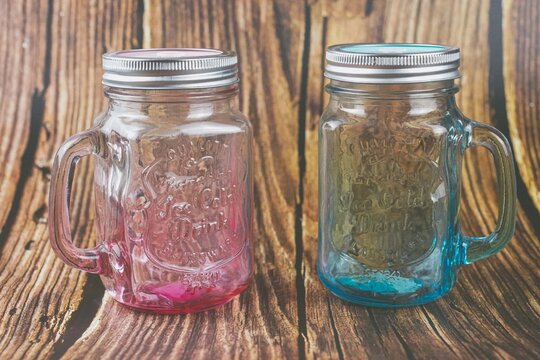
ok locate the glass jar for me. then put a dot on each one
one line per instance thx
(391, 143)
(173, 182)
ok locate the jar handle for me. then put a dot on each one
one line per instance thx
(65, 160)
(478, 248)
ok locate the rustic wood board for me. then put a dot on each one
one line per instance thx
(51, 89)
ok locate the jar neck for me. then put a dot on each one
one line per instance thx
(419, 98)
(389, 91)
(174, 102)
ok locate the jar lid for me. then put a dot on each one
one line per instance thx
(391, 63)
(186, 68)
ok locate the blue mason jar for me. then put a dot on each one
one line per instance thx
(391, 142)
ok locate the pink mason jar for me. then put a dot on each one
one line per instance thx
(173, 182)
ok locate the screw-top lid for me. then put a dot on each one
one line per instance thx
(170, 68)
(391, 63)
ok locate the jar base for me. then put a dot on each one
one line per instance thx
(377, 300)
(183, 308)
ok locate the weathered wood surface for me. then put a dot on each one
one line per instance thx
(50, 89)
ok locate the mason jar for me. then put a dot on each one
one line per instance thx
(173, 182)
(391, 144)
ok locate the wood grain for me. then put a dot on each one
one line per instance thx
(521, 77)
(50, 89)
(63, 42)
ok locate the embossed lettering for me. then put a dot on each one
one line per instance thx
(191, 213)
(389, 201)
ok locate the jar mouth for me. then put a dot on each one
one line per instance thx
(398, 63)
(170, 68)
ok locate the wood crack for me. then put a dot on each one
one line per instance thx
(92, 296)
(334, 331)
(282, 37)
(435, 330)
(299, 245)
(27, 163)
(403, 343)
(140, 25)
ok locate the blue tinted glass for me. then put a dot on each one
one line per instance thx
(392, 48)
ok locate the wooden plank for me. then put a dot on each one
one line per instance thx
(521, 78)
(58, 69)
(484, 316)
(23, 35)
(263, 322)
(51, 89)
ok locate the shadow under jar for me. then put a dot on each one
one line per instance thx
(391, 142)
(173, 182)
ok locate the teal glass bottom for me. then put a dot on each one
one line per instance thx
(382, 291)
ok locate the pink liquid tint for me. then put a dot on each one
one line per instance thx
(188, 301)
(158, 290)
(186, 296)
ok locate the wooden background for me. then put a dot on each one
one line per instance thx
(50, 74)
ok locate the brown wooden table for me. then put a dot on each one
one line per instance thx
(50, 74)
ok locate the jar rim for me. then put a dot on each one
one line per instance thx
(170, 68)
(392, 63)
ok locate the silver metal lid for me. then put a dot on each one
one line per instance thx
(170, 68)
(391, 63)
